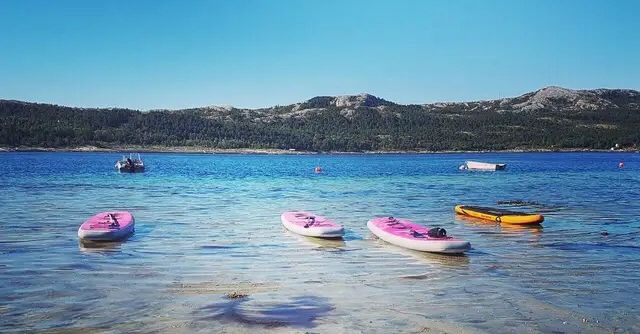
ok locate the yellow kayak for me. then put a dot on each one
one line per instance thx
(499, 215)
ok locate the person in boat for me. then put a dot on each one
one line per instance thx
(130, 164)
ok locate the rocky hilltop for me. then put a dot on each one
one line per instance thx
(557, 98)
(549, 118)
(550, 98)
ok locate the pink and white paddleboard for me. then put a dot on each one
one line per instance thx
(311, 225)
(407, 234)
(107, 226)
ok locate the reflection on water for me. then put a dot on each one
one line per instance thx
(214, 228)
(535, 230)
(98, 247)
(427, 258)
(323, 243)
(488, 225)
(450, 260)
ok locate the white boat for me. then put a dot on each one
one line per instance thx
(475, 165)
(130, 164)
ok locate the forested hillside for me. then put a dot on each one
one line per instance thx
(550, 118)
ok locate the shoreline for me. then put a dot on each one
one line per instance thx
(270, 151)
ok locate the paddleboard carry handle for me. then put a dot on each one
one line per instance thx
(313, 220)
(114, 222)
(392, 221)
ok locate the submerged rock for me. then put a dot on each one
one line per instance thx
(236, 295)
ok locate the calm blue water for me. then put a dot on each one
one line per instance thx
(208, 225)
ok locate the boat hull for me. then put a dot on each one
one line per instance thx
(475, 165)
(125, 168)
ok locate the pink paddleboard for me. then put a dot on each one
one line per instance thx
(405, 233)
(107, 226)
(311, 225)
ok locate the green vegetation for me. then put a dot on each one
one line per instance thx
(384, 125)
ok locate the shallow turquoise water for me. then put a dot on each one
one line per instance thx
(207, 225)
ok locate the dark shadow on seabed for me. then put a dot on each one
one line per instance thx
(300, 312)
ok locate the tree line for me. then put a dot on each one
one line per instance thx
(395, 127)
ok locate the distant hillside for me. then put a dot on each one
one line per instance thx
(550, 118)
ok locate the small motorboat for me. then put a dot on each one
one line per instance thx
(476, 165)
(130, 164)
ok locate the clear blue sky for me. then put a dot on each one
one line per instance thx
(173, 54)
